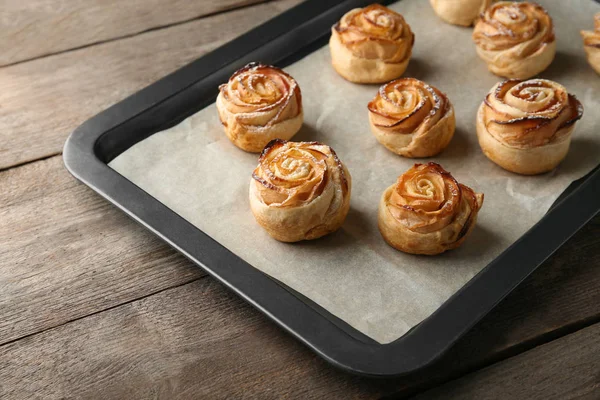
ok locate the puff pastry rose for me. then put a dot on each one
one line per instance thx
(525, 127)
(460, 12)
(259, 103)
(427, 211)
(411, 118)
(299, 190)
(516, 40)
(371, 45)
(591, 43)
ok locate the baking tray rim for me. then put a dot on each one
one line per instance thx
(90, 147)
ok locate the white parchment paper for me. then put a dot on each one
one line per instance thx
(195, 170)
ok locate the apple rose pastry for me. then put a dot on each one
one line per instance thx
(591, 43)
(258, 104)
(427, 211)
(525, 127)
(516, 40)
(371, 45)
(460, 12)
(299, 190)
(411, 118)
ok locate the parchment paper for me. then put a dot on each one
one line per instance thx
(194, 169)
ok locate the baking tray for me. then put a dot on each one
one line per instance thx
(282, 41)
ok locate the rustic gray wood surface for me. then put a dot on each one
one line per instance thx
(93, 306)
(43, 100)
(75, 24)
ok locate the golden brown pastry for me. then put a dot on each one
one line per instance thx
(411, 118)
(460, 12)
(591, 43)
(371, 45)
(299, 190)
(258, 104)
(427, 211)
(525, 127)
(516, 40)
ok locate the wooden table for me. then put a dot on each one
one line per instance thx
(93, 306)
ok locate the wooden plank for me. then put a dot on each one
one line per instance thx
(567, 368)
(192, 342)
(195, 341)
(42, 101)
(65, 252)
(83, 257)
(35, 28)
(188, 342)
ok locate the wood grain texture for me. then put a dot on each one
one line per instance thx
(65, 252)
(567, 368)
(82, 256)
(42, 101)
(197, 341)
(35, 28)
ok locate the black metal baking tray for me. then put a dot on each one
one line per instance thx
(281, 41)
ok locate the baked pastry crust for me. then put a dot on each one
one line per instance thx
(427, 211)
(591, 44)
(526, 126)
(411, 118)
(516, 40)
(299, 190)
(259, 103)
(460, 12)
(371, 45)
